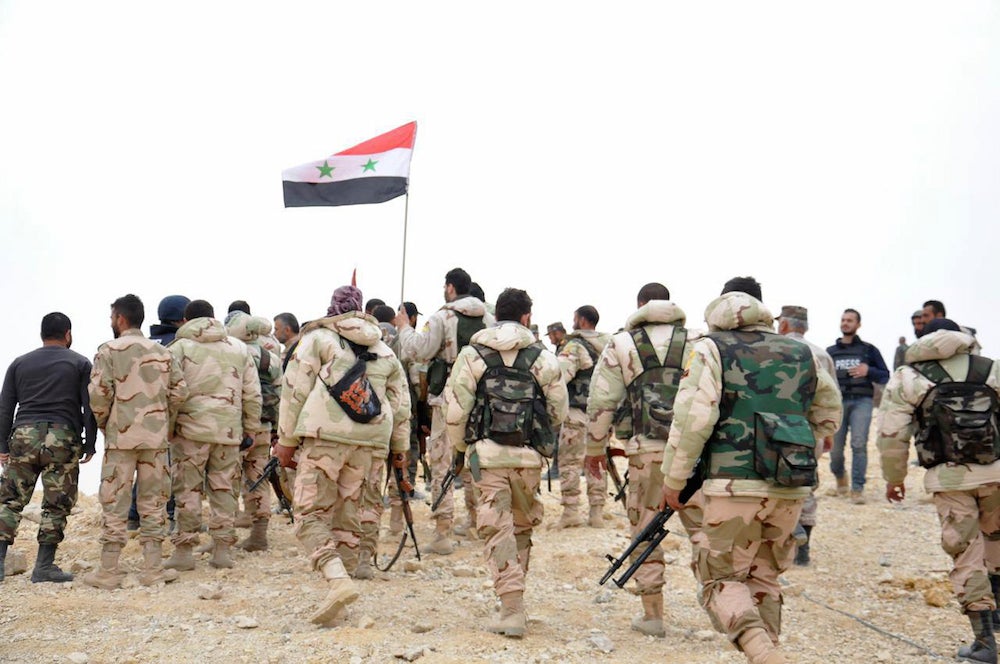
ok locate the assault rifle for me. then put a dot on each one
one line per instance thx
(404, 487)
(270, 474)
(653, 533)
(449, 479)
(621, 485)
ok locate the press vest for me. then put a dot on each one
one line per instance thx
(846, 357)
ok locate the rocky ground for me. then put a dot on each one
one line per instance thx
(878, 562)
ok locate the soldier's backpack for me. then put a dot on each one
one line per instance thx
(579, 387)
(510, 405)
(438, 370)
(270, 393)
(957, 419)
(649, 400)
(353, 392)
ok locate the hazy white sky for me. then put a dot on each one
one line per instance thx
(845, 154)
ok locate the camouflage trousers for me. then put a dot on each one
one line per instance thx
(809, 509)
(328, 488)
(194, 466)
(970, 534)
(572, 449)
(507, 514)
(258, 503)
(744, 545)
(149, 468)
(441, 453)
(645, 491)
(371, 507)
(49, 451)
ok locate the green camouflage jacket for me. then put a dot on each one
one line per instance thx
(904, 393)
(136, 388)
(696, 408)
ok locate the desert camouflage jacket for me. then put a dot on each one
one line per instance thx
(249, 329)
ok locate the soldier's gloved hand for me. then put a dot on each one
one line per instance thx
(895, 493)
(399, 460)
(595, 464)
(285, 456)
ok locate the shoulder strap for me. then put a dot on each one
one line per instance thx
(933, 371)
(587, 347)
(527, 356)
(643, 346)
(265, 360)
(675, 354)
(979, 369)
(490, 356)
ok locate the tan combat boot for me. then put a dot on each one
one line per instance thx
(152, 566)
(220, 556)
(650, 622)
(442, 544)
(182, 558)
(257, 539)
(512, 620)
(570, 518)
(107, 576)
(364, 570)
(205, 547)
(243, 520)
(467, 528)
(757, 646)
(342, 592)
(596, 519)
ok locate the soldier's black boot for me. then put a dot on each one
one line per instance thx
(984, 647)
(802, 553)
(46, 568)
(995, 584)
(3, 556)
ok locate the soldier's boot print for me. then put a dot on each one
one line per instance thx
(108, 576)
(650, 622)
(243, 520)
(220, 556)
(364, 569)
(257, 539)
(758, 648)
(182, 559)
(342, 592)
(513, 621)
(153, 571)
(596, 518)
(396, 520)
(442, 544)
(994, 584)
(802, 552)
(3, 557)
(46, 570)
(570, 517)
(984, 646)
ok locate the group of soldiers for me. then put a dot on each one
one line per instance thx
(740, 411)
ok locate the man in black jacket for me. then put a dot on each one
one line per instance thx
(859, 368)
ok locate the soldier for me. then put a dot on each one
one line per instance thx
(577, 359)
(503, 458)
(745, 387)
(643, 366)
(257, 505)
(948, 397)
(445, 333)
(794, 323)
(136, 388)
(48, 387)
(343, 417)
(557, 335)
(222, 406)
(286, 331)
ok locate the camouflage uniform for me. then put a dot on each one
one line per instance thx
(136, 388)
(439, 339)
(967, 496)
(618, 366)
(746, 539)
(337, 453)
(573, 360)
(509, 476)
(223, 401)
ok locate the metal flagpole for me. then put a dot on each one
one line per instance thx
(406, 214)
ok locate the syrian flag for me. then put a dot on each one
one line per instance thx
(375, 171)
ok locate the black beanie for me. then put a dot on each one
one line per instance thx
(941, 324)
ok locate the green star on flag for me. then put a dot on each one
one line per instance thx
(326, 170)
(370, 166)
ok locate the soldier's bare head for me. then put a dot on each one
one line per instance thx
(585, 318)
(476, 291)
(127, 312)
(286, 326)
(652, 291)
(746, 285)
(917, 319)
(239, 305)
(850, 321)
(456, 284)
(198, 309)
(371, 304)
(514, 304)
(57, 330)
(933, 309)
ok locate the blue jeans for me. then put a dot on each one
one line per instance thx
(857, 418)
